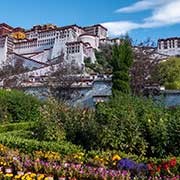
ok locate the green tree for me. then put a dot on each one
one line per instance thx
(122, 59)
(167, 73)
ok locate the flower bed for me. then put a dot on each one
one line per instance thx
(51, 165)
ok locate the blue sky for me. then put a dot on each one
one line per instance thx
(140, 18)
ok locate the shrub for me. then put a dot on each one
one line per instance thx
(16, 126)
(17, 106)
(119, 128)
(81, 127)
(49, 126)
(30, 145)
(173, 130)
(59, 121)
(133, 125)
(26, 134)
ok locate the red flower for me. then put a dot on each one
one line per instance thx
(158, 169)
(172, 162)
(166, 166)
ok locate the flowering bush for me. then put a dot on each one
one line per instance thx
(163, 167)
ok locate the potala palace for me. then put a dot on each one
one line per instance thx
(43, 47)
(45, 44)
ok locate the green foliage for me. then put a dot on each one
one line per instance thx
(104, 56)
(122, 59)
(134, 125)
(167, 73)
(119, 128)
(81, 127)
(87, 61)
(120, 86)
(110, 153)
(30, 145)
(15, 106)
(25, 134)
(172, 85)
(16, 126)
(173, 130)
(50, 127)
(127, 124)
(60, 122)
(123, 75)
(103, 59)
(93, 66)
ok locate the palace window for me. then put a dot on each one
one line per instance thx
(72, 49)
(169, 42)
(165, 44)
(159, 45)
(178, 43)
(173, 44)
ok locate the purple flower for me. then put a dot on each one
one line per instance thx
(126, 164)
(141, 167)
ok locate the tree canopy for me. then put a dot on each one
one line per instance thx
(167, 73)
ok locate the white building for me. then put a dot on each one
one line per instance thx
(169, 46)
(47, 43)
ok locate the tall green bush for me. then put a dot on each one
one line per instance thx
(16, 106)
(59, 122)
(81, 127)
(49, 127)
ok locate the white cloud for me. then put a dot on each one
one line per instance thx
(142, 5)
(167, 14)
(163, 14)
(120, 27)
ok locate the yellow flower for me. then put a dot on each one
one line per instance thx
(116, 157)
(17, 176)
(9, 175)
(96, 157)
(32, 175)
(41, 176)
